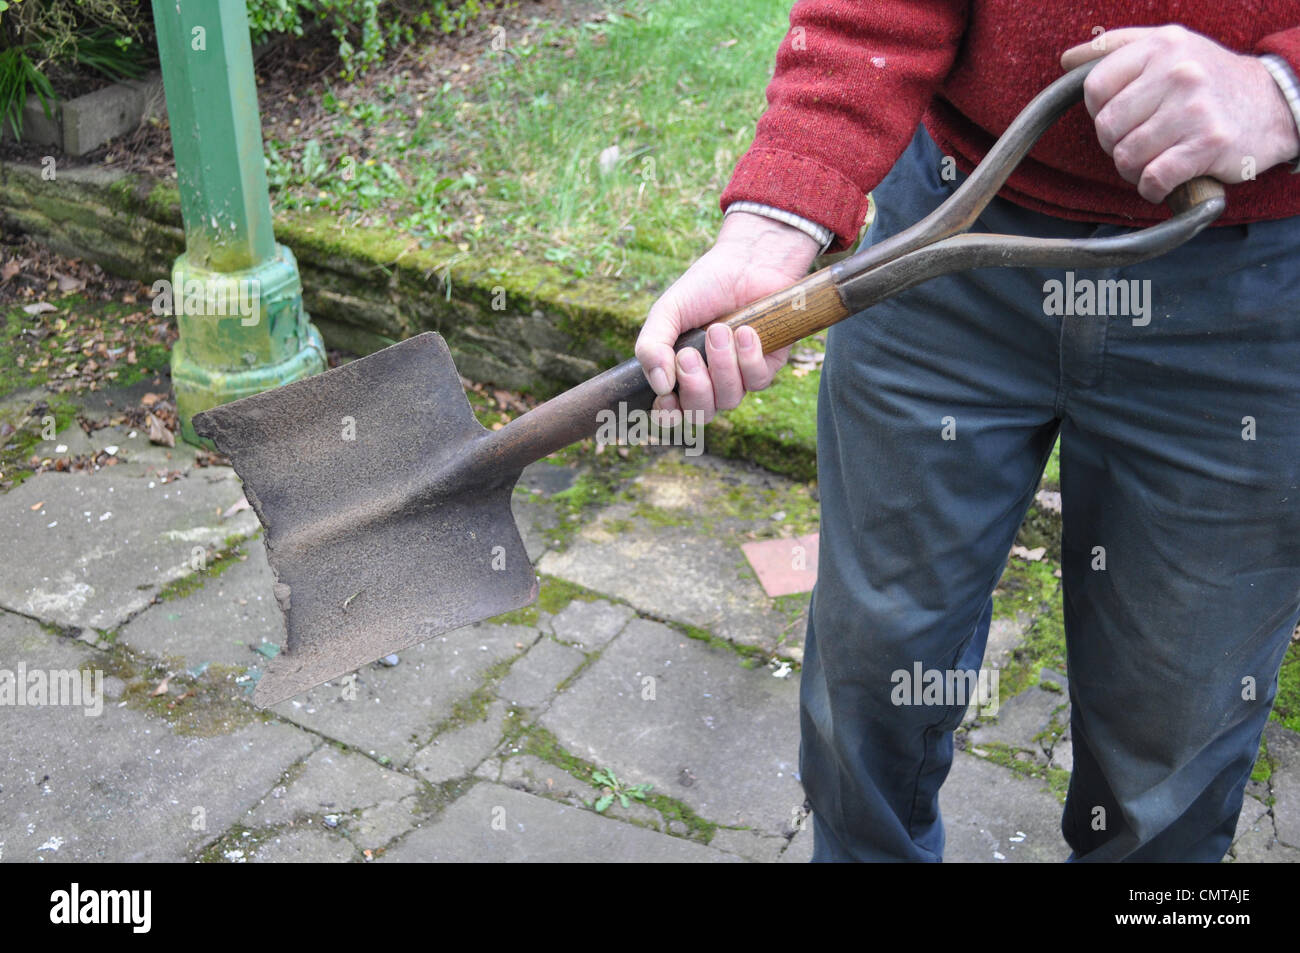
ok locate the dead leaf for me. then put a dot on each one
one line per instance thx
(235, 508)
(161, 689)
(1049, 500)
(10, 269)
(148, 400)
(1030, 555)
(36, 506)
(40, 307)
(158, 432)
(68, 284)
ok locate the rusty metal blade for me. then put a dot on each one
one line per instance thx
(372, 553)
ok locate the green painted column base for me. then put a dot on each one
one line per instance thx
(241, 333)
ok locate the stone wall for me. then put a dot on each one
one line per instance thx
(509, 322)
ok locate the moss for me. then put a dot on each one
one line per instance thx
(1024, 763)
(432, 799)
(474, 706)
(1286, 707)
(240, 838)
(1263, 768)
(537, 741)
(1029, 590)
(215, 705)
(776, 429)
(218, 562)
(753, 653)
(557, 593)
(1041, 528)
(1052, 472)
(26, 418)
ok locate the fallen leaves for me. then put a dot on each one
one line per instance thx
(1029, 555)
(159, 432)
(234, 508)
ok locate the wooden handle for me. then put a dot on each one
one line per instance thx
(791, 315)
(782, 318)
(1194, 192)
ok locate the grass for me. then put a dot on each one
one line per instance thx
(514, 162)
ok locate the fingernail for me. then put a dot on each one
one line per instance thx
(689, 359)
(746, 338)
(719, 335)
(659, 380)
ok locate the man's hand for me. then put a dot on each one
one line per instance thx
(1170, 105)
(754, 256)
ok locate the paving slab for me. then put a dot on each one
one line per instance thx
(1005, 636)
(303, 846)
(91, 550)
(800, 850)
(1259, 845)
(141, 456)
(704, 589)
(694, 517)
(784, 566)
(392, 712)
(1254, 816)
(457, 752)
(71, 441)
(121, 786)
(1020, 719)
(752, 845)
(992, 815)
(1284, 752)
(369, 804)
(662, 708)
(496, 824)
(535, 677)
(220, 623)
(590, 625)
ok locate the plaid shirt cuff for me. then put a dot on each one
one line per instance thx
(1286, 81)
(822, 235)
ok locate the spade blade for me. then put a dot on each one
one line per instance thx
(372, 552)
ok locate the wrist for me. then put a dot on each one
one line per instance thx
(1283, 108)
(765, 242)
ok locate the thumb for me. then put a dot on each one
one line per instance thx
(1105, 42)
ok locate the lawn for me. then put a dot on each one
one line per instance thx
(600, 144)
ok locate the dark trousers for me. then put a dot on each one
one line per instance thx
(1180, 468)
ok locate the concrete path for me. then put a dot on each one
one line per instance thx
(653, 657)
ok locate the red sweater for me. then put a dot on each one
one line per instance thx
(855, 77)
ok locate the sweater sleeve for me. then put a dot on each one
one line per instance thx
(853, 79)
(1285, 44)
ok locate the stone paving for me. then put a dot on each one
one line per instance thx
(653, 655)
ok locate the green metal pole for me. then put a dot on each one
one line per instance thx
(235, 292)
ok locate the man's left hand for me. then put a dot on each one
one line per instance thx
(1170, 104)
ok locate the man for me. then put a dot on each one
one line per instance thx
(1179, 419)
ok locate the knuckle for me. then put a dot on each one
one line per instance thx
(1217, 137)
(1106, 132)
(1188, 74)
(1169, 34)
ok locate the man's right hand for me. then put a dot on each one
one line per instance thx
(754, 256)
